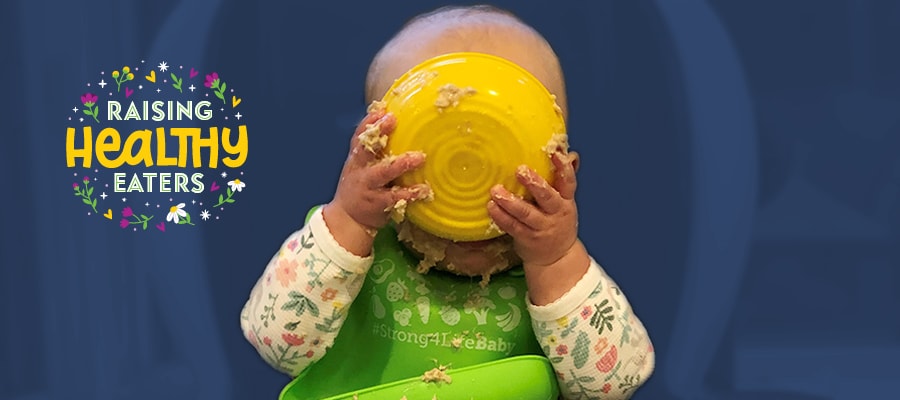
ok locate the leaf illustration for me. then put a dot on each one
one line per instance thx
(90, 192)
(581, 351)
(87, 112)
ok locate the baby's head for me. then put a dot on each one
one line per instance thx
(482, 29)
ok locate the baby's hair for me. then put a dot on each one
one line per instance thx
(469, 13)
(462, 11)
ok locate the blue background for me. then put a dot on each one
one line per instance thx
(740, 180)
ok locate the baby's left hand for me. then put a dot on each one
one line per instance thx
(546, 231)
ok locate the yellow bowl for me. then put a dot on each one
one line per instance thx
(477, 117)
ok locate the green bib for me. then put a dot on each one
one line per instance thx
(404, 323)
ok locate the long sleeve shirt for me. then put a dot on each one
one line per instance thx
(598, 348)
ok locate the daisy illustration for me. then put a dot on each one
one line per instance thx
(236, 185)
(178, 215)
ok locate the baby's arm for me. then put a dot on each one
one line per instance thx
(298, 306)
(598, 348)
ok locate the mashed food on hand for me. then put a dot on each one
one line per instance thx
(558, 142)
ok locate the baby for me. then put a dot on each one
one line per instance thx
(348, 301)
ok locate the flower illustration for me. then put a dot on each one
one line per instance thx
(329, 294)
(86, 193)
(292, 244)
(141, 220)
(606, 388)
(562, 322)
(236, 185)
(562, 350)
(89, 100)
(309, 354)
(292, 339)
(608, 361)
(286, 272)
(178, 215)
(601, 345)
(213, 82)
(585, 312)
(267, 341)
(233, 187)
(122, 77)
(552, 340)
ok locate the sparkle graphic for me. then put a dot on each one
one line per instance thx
(147, 204)
(192, 87)
(140, 86)
(103, 195)
(102, 84)
(123, 199)
(158, 90)
(224, 174)
(238, 116)
(204, 215)
(74, 109)
(163, 67)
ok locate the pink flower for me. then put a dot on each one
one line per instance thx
(211, 80)
(309, 354)
(608, 361)
(292, 245)
(606, 388)
(562, 350)
(86, 179)
(292, 339)
(74, 186)
(123, 223)
(585, 312)
(88, 99)
(267, 341)
(286, 272)
(126, 212)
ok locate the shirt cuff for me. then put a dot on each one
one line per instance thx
(572, 299)
(332, 249)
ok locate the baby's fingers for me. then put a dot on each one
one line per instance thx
(564, 180)
(371, 137)
(544, 195)
(518, 208)
(388, 169)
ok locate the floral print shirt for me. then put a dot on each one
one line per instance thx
(598, 348)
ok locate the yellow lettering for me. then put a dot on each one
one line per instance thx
(85, 153)
(240, 149)
(108, 140)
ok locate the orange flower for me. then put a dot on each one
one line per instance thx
(286, 272)
(600, 346)
(329, 294)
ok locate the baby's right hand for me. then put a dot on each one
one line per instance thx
(364, 196)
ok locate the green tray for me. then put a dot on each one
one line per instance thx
(521, 377)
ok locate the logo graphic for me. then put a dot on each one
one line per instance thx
(157, 147)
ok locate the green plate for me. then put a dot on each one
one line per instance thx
(522, 377)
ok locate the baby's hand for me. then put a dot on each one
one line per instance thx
(364, 196)
(546, 231)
